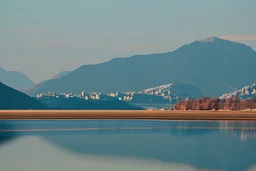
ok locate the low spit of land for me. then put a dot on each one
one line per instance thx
(128, 114)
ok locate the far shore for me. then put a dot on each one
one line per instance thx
(129, 114)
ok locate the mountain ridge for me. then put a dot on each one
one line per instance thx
(61, 74)
(207, 66)
(15, 79)
(13, 99)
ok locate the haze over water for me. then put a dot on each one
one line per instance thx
(126, 145)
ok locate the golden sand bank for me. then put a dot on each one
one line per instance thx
(120, 114)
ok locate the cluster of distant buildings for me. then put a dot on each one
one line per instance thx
(123, 96)
(85, 96)
(158, 95)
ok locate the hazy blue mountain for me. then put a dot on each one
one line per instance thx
(15, 79)
(212, 65)
(38, 85)
(2, 70)
(61, 74)
(13, 99)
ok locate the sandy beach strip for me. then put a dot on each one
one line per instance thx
(128, 114)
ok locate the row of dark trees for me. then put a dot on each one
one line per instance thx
(207, 103)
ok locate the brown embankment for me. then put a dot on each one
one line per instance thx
(118, 114)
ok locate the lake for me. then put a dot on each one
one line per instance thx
(64, 145)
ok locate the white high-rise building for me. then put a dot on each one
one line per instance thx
(83, 93)
(97, 96)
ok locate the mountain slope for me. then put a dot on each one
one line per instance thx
(176, 89)
(13, 99)
(61, 74)
(38, 85)
(15, 79)
(158, 88)
(243, 93)
(209, 65)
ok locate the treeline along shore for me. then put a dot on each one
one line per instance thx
(207, 103)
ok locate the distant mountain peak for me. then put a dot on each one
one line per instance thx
(209, 39)
(15, 79)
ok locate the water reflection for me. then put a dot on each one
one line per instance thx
(199, 144)
(52, 158)
(245, 131)
(7, 136)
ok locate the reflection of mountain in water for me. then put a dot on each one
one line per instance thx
(167, 141)
(6, 136)
(34, 153)
(215, 150)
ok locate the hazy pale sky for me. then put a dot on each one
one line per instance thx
(44, 37)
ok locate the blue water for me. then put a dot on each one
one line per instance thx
(229, 146)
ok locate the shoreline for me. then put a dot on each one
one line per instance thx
(128, 114)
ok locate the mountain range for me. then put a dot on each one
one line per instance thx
(15, 79)
(212, 66)
(13, 99)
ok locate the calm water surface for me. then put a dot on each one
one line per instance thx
(127, 145)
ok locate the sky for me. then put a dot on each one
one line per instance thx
(44, 37)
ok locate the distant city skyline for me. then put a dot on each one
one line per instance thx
(43, 38)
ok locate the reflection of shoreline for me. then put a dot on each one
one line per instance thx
(244, 130)
(247, 131)
(245, 135)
